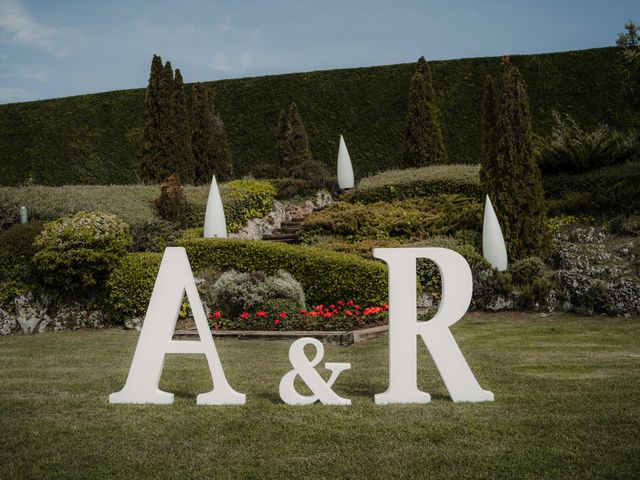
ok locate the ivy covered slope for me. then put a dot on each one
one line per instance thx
(95, 139)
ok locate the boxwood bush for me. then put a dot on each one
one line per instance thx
(325, 276)
(75, 254)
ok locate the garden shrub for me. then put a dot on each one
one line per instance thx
(171, 204)
(407, 219)
(76, 253)
(236, 292)
(417, 182)
(243, 200)
(295, 187)
(324, 276)
(16, 251)
(154, 235)
(621, 197)
(555, 186)
(574, 150)
(130, 285)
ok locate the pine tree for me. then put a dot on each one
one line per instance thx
(513, 179)
(152, 134)
(183, 154)
(423, 136)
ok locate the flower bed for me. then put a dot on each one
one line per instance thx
(339, 316)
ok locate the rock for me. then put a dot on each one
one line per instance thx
(134, 323)
(74, 316)
(8, 323)
(31, 312)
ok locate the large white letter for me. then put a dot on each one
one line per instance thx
(174, 278)
(457, 286)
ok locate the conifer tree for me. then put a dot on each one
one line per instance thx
(298, 141)
(167, 160)
(152, 134)
(423, 137)
(222, 151)
(293, 143)
(489, 140)
(282, 144)
(183, 154)
(512, 179)
(211, 151)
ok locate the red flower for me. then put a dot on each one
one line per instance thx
(348, 313)
(276, 322)
(350, 302)
(340, 302)
(261, 314)
(303, 312)
(283, 315)
(313, 314)
(332, 307)
(211, 315)
(217, 314)
(244, 315)
(327, 315)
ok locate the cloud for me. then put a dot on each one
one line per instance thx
(9, 95)
(25, 30)
(29, 73)
(237, 64)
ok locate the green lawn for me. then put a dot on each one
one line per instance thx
(567, 406)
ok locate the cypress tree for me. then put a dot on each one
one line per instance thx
(293, 142)
(282, 144)
(183, 154)
(211, 150)
(152, 134)
(423, 136)
(300, 150)
(489, 140)
(223, 158)
(167, 161)
(513, 179)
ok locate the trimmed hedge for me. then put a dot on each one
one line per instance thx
(130, 285)
(325, 276)
(243, 199)
(408, 219)
(417, 182)
(96, 139)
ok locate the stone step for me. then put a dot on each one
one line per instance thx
(285, 230)
(291, 224)
(283, 236)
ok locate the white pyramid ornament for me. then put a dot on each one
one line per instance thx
(494, 249)
(215, 225)
(345, 170)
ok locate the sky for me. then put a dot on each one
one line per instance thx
(71, 47)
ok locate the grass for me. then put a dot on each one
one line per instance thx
(566, 406)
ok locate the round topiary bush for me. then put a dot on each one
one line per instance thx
(237, 292)
(77, 252)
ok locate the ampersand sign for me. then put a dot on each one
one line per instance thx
(305, 368)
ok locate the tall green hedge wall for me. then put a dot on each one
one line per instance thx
(95, 139)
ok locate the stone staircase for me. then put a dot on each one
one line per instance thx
(288, 231)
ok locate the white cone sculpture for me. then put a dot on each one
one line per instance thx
(494, 249)
(345, 171)
(215, 225)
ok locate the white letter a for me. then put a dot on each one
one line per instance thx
(174, 278)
